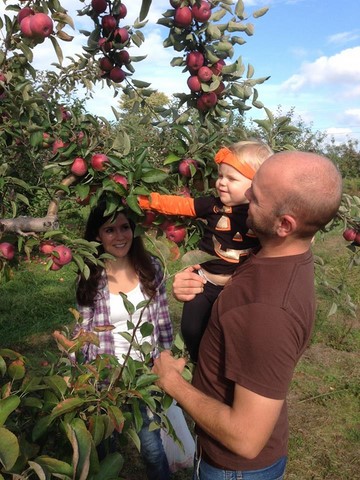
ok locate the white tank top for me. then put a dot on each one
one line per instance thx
(119, 318)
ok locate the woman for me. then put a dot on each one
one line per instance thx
(136, 273)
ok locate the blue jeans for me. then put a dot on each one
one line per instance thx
(152, 450)
(204, 471)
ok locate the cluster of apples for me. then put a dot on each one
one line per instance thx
(35, 25)
(59, 254)
(352, 235)
(202, 71)
(99, 162)
(114, 39)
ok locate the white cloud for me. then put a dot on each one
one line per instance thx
(344, 37)
(339, 70)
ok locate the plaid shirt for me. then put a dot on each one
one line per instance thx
(99, 315)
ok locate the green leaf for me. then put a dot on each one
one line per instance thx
(9, 448)
(85, 442)
(66, 406)
(140, 83)
(239, 9)
(54, 466)
(155, 175)
(171, 158)
(145, 6)
(145, 380)
(7, 406)
(38, 470)
(57, 49)
(259, 13)
(146, 329)
(97, 428)
(132, 202)
(110, 467)
(57, 384)
(41, 427)
(2, 366)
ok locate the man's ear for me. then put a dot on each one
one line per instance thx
(286, 226)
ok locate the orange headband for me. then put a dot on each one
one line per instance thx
(224, 155)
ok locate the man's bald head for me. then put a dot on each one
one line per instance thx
(309, 186)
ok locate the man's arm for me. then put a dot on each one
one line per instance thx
(244, 427)
(187, 284)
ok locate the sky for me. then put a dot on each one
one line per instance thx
(309, 48)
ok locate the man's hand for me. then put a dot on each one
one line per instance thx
(187, 284)
(169, 370)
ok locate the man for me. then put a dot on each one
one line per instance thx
(260, 325)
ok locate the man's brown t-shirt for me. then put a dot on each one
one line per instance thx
(259, 327)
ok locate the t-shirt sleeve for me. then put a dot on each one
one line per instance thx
(262, 345)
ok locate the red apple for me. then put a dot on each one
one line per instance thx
(175, 233)
(104, 44)
(46, 140)
(58, 143)
(349, 234)
(61, 255)
(25, 27)
(183, 17)
(202, 13)
(24, 12)
(120, 179)
(121, 12)
(41, 25)
(195, 60)
(218, 91)
(99, 6)
(194, 83)
(184, 192)
(117, 75)
(7, 250)
(205, 74)
(55, 266)
(357, 239)
(123, 57)
(65, 114)
(121, 35)
(98, 161)
(218, 66)
(206, 101)
(184, 166)
(79, 167)
(150, 217)
(47, 246)
(108, 23)
(106, 64)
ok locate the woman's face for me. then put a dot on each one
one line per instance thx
(116, 236)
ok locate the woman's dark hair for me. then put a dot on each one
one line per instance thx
(138, 255)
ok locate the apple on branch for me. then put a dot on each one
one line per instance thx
(194, 60)
(41, 25)
(175, 233)
(194, 83)
(7, 250)
(79, 167)
(183, 17)
(24, 12)
(184, 166)
(205, 74)
(47, 246)
(202, 12)
(150, 217)
(61, 255)
(349, 234)
(98, 161)
(99, 6)
(120, 179)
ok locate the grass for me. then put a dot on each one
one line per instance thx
(324, 409)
